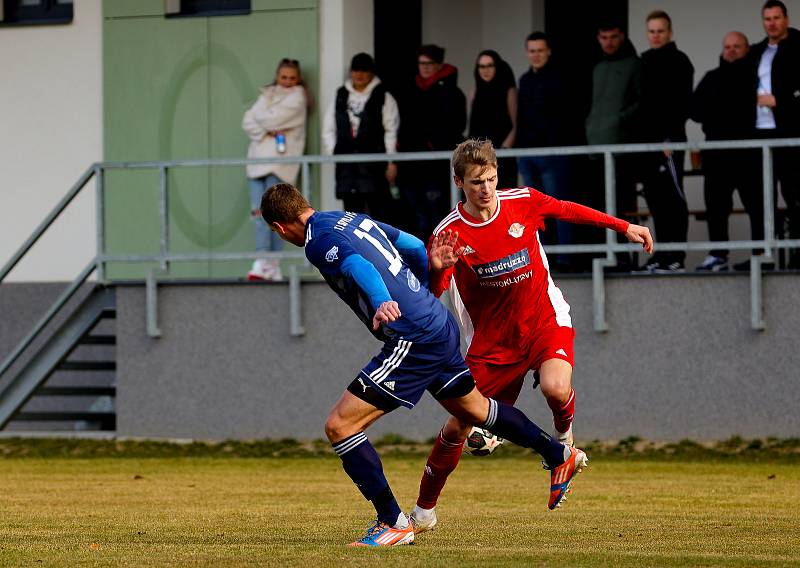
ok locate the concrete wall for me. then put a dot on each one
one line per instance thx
(680, 361)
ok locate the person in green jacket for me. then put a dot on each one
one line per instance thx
(616, 96)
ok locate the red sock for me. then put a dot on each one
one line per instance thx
(441, 463)
(563, 413)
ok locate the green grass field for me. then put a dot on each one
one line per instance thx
(302, 511)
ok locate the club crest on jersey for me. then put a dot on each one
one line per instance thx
(516, 230)
(413, 283)
(331, 255)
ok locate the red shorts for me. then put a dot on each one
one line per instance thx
(503, 381)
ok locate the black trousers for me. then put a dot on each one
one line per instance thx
(662, 178)
(725, 172)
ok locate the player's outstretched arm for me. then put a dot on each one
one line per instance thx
(639, 234)
(443, 253)
(387, 312)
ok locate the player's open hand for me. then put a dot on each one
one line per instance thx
(639, 234)
(387, 312)
(443, 253)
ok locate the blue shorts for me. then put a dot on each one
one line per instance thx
(404, 370)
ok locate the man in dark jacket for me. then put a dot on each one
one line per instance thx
(545, 119)
(433, 116)
(776, 79)
(723, 104)
(667, 81)
(616, 96)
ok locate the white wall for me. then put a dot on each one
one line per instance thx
(346, 28)
(51, 117)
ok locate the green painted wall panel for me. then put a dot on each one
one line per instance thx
(243, 54)
(128, 8)
(177, 89)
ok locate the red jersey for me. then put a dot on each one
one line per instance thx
(501, 286)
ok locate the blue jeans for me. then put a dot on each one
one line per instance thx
(266, 239)
(550, 175)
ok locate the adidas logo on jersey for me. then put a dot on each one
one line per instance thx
(468, 250)
(561, 352)
(389, 385)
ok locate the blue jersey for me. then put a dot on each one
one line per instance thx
(367, 263)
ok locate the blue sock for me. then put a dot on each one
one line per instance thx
(510, 423)
(362, 463)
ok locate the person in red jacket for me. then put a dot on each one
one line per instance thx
(487, 252)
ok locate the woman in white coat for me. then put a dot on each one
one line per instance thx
(276, 125)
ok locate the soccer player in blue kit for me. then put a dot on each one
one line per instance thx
(382, 274)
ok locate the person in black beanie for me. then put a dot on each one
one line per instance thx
(363, 119)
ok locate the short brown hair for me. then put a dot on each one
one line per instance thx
(473, 152)
(283, 203)
(659, 15)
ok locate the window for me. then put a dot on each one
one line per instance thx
(202, 8)
(35, 12)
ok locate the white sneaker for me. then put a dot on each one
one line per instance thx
(713, 264)
(265, 269)
(422, 519)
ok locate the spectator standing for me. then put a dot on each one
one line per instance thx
(723, 104)
(667, 81)
(276, 126)
(616, 101)
(493, 109)
(363, 119)
(776, 62)
(544, 119)
(433, 116)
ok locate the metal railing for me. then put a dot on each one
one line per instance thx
(164, 257)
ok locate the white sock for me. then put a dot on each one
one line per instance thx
(402, 521)
(422, 514)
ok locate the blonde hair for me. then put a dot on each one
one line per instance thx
(473, 152)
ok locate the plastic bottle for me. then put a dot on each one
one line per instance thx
(280, 142)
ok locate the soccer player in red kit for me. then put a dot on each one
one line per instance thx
(514, 318)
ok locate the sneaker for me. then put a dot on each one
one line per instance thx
(381, 534)
(674, 267)
(422, 522)
(649, 266)
(265, 269)
(562, 475)
(713, 264)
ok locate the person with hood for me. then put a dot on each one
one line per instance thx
(493, 109)
(363, 119)
(614, 111)
(276, 126)
(723, 104)
(667, 84)
(775, 63)
(433, 117)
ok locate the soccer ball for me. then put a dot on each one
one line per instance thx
(481, 442)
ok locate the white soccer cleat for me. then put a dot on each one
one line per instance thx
(567, 437)
(422, 520)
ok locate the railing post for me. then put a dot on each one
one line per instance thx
(296, 328)
(599, 293)
(151, 301)
(611, 202)
(306, 177)
(769, 207)
(163, 216)
(756, 294)
(100, 224)
(455, 193)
